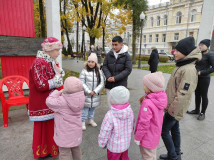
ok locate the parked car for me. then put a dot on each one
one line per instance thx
(107, 49)
(171, 57)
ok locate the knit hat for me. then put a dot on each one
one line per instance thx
(206, 42)
(186, 45)
(154, 81)
(72, 85)
(119, 95)
(93, 57)
(50, 44)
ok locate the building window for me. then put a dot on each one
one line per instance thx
(193, 16)
(144, 39)
(176, 36)
(152, 21)
(158, 21)
(164, 38)
(178, 17)
(156, 37)
(145, 23)
(191, 34)
(150, 38)
(165, 20)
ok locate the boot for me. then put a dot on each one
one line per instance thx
(201, 117)
(92, 123)
(83, 126)
(164, 156)
(193, 112)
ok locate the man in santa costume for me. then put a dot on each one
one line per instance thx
(45, 76)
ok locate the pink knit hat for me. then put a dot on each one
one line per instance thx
(50, 44)
(154, 81)
(93, 57)
(72, 85)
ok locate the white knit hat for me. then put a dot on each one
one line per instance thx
(93, 57)
(119, 95)
(154, 81)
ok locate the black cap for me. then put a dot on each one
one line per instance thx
(206, 42)
(186, 45)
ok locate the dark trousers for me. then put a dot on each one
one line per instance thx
(172, 141)
(201, 93)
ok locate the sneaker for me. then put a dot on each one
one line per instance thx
(193, 112)
(92, 123)
(201, 117)
(83, 126)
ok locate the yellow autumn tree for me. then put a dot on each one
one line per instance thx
(94, 15)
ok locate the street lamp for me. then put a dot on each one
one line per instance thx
(142, 17)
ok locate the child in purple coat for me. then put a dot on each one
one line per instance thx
(150, 117)
(67, 105)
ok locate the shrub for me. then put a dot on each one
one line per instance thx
(143, 58)
(163, 59)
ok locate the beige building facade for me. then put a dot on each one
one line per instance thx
(167, 23)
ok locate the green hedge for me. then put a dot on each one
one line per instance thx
(143, 58)
(162, 59)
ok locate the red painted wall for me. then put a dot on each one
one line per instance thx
(16, 65)
(17, 18)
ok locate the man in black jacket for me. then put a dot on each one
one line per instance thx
(153, 60)
(117, 64)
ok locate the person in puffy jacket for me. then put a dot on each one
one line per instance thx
(117, 126)
(204, 68)
(150, 117)
(67, 105)
(93, 82)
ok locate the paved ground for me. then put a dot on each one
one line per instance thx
(197, 137)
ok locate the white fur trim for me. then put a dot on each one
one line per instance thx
(51, 46)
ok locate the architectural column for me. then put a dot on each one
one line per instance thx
(53, 22)
(207, 21)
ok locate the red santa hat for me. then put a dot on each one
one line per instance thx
(50, 44)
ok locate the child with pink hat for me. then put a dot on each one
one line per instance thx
(93, 83)
(67, 105)
(150, 117)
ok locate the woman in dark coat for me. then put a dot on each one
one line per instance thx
(153, 60)
(204, 67)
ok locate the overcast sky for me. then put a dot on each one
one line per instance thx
(153, 2)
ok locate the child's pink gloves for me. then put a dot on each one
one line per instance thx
(137, 142)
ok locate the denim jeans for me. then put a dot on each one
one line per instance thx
(88, 113)
(173, 141)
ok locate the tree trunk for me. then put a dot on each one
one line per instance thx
(104, 34)
(134, 37)
(92, 40)
(77, 38)
(70, 51)
(42, 19)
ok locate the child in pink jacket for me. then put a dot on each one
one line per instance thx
(150, 117)
(67, 105)
(117, 126)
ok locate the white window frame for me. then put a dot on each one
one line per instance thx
(193, 16)
(156, 37)
(165, 23)
(178, 17)
(163, 37)
(150, 38)
(176, 36)
(158, 21)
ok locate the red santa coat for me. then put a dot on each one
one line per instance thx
(41, 83)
